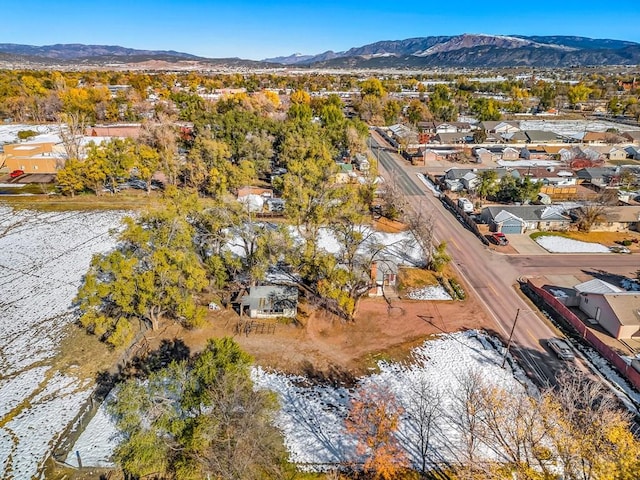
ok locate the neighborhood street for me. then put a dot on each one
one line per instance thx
(493, 277)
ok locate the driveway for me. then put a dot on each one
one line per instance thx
(525, 246)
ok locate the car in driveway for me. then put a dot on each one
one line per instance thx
(16, 173)
(499, 238)
(561, 348)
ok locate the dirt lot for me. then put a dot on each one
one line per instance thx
(322, 342)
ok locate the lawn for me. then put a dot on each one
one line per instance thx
(604, 238)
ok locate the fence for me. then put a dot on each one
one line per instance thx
(626, 370)
(466, 219)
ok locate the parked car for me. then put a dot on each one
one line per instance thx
(619, 249)
(16, 173)
(561, 348)
(499, 238)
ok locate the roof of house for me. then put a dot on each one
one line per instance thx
(505, 216)
(596, 286)
(246, 191)
(595, 172)
(633, 135)
(451, 137)
(541, 136)
(625, 306)
(627, 214)
(275, 293)
(514, 136)
(490, 125)
(548, 213)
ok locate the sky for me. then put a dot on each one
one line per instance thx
(265, 28)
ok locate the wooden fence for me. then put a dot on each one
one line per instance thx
(468, 222)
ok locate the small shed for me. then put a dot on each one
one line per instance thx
(270, 301)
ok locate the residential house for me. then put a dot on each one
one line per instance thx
(114, 130)
(33, 157)
(618, 219)
(432, 154)
(384, 273)
(616, 153)
(520, 218)
(632, 136)
(615, 310)
(598, 176)
(345, 173)
(541, 136)
(483, 155)
(270, 301)
(500, 126)
(253, 198)
(458, 179)
(451, 138)
(514, 137)
(633, 152)
(534, 153)
(602, 137)
(510, 153)
(444, 127)
(361, 161)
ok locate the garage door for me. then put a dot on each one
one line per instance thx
(512, 228)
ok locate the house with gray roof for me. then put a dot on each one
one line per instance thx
(541, 136)
(599, 176)
(518, 219)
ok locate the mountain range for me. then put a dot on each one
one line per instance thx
(467, 50)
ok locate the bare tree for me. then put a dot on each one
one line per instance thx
(162, 135)
(466, 414)
(422, 411)
(421, 225)
(72, 129)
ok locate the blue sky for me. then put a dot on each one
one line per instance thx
(260, 29)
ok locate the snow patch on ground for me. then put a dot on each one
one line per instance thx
(97, 442)
(429, 184)
(43, 257)
(312, 417)
(431, 292)
(558, 244)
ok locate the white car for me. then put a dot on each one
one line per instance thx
(561, 348)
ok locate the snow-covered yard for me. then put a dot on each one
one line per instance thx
(558, 244)
(431, 292)
(312, 416)
(43, 257)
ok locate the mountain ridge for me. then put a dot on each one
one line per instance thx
(465, 50)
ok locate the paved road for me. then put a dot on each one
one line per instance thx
(491, 277)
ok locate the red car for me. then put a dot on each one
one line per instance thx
(16, 173)
(499, 238)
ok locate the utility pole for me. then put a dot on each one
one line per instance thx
(504, 357)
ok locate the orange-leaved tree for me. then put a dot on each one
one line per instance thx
(373, 421)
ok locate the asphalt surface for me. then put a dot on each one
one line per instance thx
(492, 277)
